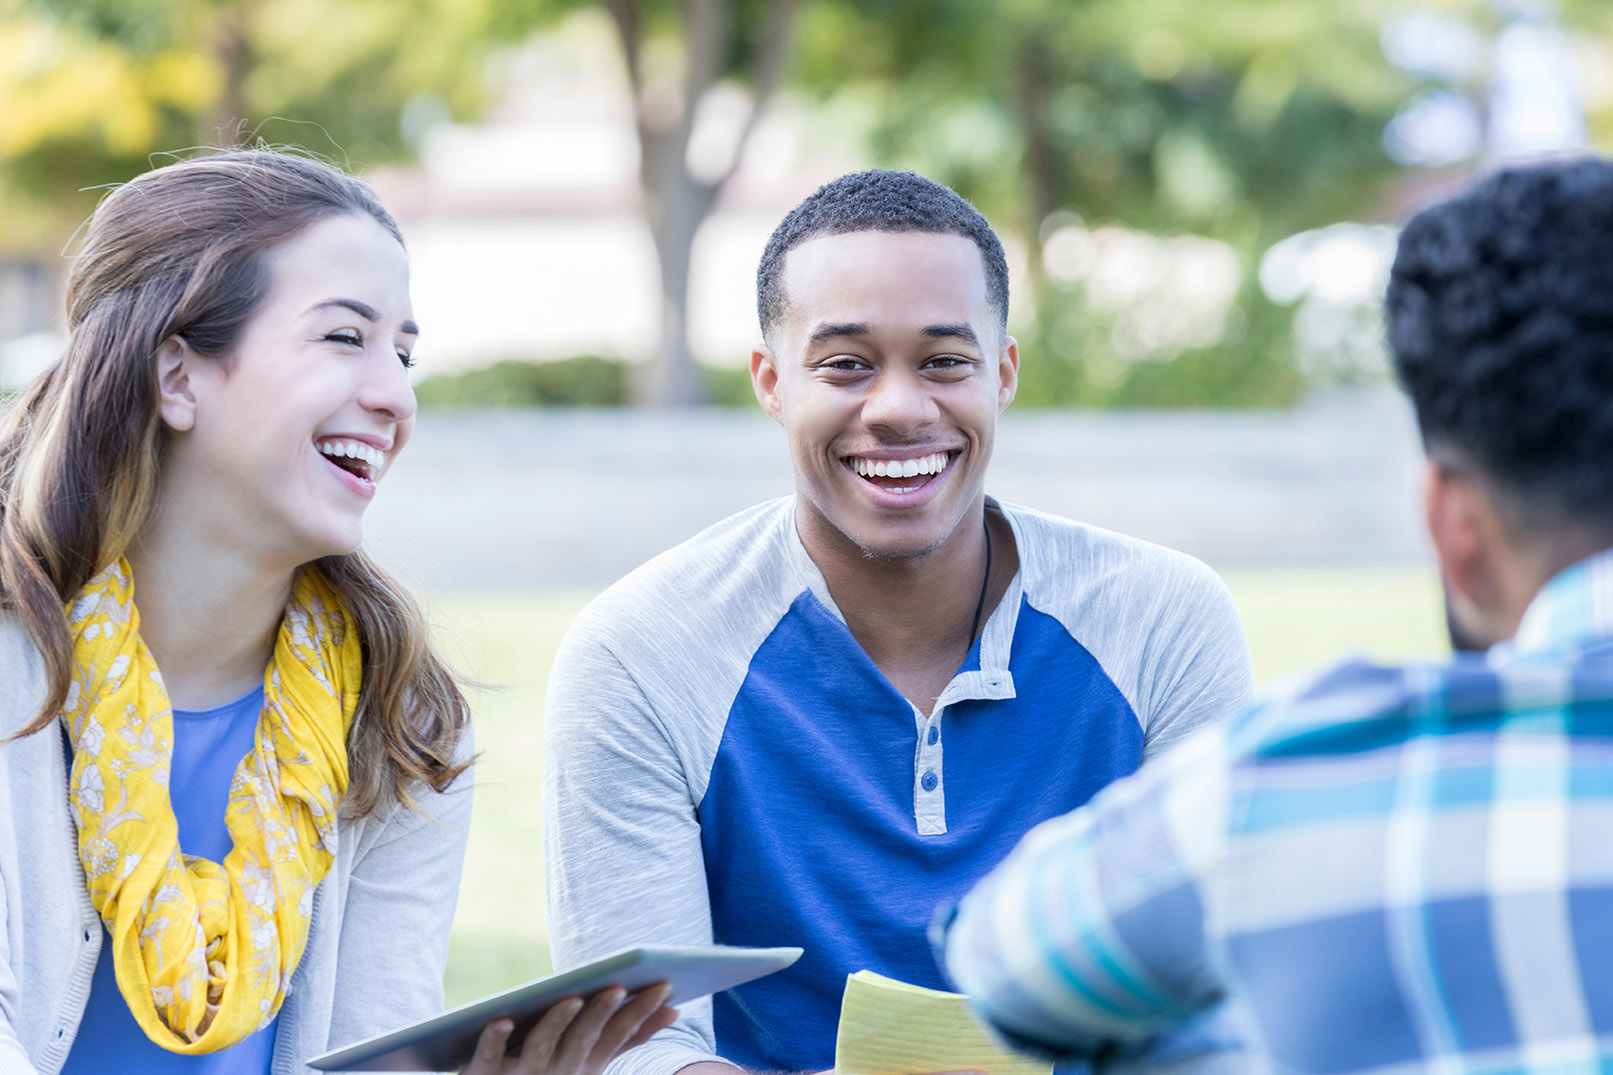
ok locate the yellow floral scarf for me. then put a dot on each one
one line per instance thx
(204, 952)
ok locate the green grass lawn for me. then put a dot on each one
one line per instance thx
(1296, 618)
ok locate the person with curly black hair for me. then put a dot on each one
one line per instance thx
(1500, 316)
(1397, 869)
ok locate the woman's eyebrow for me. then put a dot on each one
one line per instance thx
(364, 310)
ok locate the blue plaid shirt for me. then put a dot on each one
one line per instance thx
(1391, 870)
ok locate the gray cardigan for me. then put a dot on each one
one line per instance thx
(377, 940)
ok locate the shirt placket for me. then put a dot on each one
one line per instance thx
(929, 791)
(929, 774)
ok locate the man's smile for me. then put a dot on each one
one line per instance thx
(895, 475)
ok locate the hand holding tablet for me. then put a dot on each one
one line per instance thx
(570, 1023)
(576, 1036)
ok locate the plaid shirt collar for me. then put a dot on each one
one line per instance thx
(1574, 607)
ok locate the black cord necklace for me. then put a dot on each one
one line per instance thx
(985, 584)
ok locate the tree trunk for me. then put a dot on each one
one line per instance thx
(675, 206)
(1033, 85)
(226, 122)
(675, 202)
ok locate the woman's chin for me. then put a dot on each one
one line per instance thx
(336, 541)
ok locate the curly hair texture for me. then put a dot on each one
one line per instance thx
(180, 251)
(1500, 321)
(878, 200)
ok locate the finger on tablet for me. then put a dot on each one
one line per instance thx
(623, 1030)
(537, 1050)
(575, 1051)
(655, 1022)
(490, 1044)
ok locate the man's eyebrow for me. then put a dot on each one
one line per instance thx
(366, 311)
(837, 329)
(958, 331)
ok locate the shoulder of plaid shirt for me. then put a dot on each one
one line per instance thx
(1391, 867)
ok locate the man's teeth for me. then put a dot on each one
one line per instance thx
(353, 449)
(900, 468)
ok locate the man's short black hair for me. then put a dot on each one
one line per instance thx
(878, 200)
(1500, 319)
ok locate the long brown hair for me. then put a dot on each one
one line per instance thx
(180, 251)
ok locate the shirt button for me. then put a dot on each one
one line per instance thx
(929, 781)
(88, 936)
(935, 734)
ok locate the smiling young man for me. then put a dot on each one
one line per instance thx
(823, 716)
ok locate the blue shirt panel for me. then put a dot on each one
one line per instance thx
(808, 826)
(208, 745)
(1300, 999)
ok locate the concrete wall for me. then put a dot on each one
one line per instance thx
(576, 499)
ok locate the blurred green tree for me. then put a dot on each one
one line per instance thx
(1241, 121)
(91, 88)
(1238, 121)
(1070, 122)
(712, 42)
(678, 55)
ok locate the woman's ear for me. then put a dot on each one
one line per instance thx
(176, 399)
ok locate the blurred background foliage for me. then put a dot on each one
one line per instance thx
(1244, 122)
(92, 89)
(1141, 157)
(580, 381)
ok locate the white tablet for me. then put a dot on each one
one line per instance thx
(446, 1042)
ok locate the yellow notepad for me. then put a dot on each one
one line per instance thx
(892, 1028)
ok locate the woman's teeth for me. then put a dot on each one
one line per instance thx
(868, 467)
(341, 450)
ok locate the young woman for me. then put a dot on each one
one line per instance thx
(234, 783)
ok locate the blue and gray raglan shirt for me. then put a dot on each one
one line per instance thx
(724, 764)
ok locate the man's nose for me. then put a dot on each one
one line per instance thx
(899, 400)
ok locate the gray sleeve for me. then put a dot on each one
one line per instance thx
(622, 853)
(13, 1058)
(20, 689)
(1195, 666)
(400, 903)
(1162, 625)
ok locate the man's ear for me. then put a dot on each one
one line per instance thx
(764, 381)
(1007, 373)
(1464, 529)
(176, 399)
